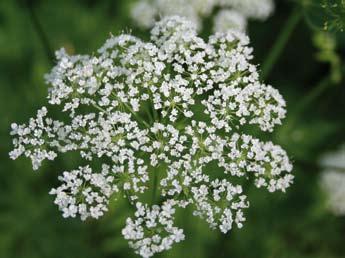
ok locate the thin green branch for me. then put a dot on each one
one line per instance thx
(154, 185)
(305, 102)
(40, 33)
(313, 95)
(139, 119)
(281, 42)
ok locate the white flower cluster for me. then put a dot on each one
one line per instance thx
(333, 180)
(228, 19)
(168, 110)
(258, 9)
(84, 192)
(152, 230)
(233, 14)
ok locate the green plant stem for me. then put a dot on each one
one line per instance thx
(139, 119)
(40, 33)
(99, 108)
(313, 94)
(154, 185)
(303, 104)
(281, 42)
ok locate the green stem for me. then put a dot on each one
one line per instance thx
(281, 42)
(40, 32)
(139, 119)
(304, 103)
(313, 94)
(154, 185)
(99, 108)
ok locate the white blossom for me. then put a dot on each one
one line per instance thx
(228, 19)
(177, 106)
(84, 192)
(258, 9)
(233, 14)
(152, 230)
(333, 180)
(194, 10)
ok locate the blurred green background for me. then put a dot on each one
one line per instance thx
(308, 73)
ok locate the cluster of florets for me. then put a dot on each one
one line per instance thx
(258, 9)
(228, 19)
(152, 230)
(233, 14)
(333, 180)
(165, 111)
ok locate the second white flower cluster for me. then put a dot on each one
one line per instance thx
(229, 14)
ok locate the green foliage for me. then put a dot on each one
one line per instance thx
(335, 10)
(327, 45)
(291, 225)
(328, 15)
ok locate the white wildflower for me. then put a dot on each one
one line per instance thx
(258, 9)
(333, 180)
(175, 106)
(84, 192)
(233, 14)
(229, 20)
(144, 14)
(152, 230)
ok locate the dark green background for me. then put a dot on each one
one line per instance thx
(295, 224)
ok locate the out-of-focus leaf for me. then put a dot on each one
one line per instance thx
(327, 15)
(326, 44)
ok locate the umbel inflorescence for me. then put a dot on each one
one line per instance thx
(233, 14)
(169, 111)
(333, 180)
